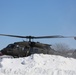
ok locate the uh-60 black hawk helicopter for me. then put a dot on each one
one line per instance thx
(26, 48)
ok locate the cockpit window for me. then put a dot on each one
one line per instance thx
(11, 46)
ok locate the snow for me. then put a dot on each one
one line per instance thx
(5, 56)
(38, 64)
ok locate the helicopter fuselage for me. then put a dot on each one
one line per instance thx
(22, 49)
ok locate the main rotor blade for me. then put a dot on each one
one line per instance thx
(13, 36)
(54, 36)
(39, 37)
(32, 37)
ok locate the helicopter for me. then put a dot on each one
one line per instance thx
(26, 48)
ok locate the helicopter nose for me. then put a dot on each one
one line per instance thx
(1, 53)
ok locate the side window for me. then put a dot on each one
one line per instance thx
(23, 48)
(35, 50)
(17, 46)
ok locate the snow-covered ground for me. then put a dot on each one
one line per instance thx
(38, 64)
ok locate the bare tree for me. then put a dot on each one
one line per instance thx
(64, 50)
(61, 47)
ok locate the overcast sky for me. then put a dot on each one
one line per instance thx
(38, 18)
